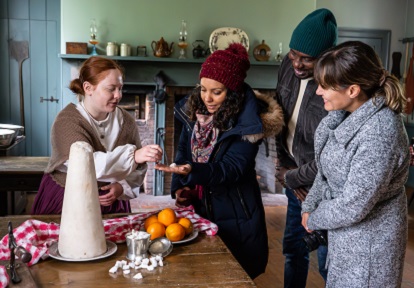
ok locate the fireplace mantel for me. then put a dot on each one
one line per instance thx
(181, 72)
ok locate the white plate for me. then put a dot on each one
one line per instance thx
(221, 38)
(54, 253)
(190, 237)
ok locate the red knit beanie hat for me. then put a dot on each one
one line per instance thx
(227, 66)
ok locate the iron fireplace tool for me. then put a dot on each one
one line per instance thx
(18, 251)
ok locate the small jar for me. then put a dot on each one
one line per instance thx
(110, 49)
(124, 49)
(116, 49)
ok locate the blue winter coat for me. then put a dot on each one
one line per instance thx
(232, 197)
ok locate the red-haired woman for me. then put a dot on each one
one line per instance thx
(120, 160)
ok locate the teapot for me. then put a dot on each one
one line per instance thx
(161, 48)
(199, 51)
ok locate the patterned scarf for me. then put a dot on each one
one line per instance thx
(204, 138)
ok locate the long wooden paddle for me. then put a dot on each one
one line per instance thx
(19, 50)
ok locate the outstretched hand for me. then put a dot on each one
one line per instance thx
(177, 169)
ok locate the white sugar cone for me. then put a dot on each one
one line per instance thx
(81, 230)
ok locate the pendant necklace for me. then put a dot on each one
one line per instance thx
(97, 125)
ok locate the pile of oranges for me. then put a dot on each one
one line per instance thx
(167, 224)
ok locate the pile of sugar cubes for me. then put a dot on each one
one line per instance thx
(139, 262)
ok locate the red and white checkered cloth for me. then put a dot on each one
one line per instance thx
(4, 277)
(37, 236)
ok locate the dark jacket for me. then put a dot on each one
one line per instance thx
(310, 114)
(231, 194)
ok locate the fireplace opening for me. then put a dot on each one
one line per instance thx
(134, 99)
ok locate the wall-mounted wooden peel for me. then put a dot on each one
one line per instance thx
(19, 50)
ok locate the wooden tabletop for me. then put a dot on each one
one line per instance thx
(23, 165)
(203, 262)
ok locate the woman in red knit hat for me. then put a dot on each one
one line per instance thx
(215, 163)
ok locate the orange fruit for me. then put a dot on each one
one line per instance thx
(175, 232)
(156, 230)
(167, 216)
(150, 220)
(187, 224)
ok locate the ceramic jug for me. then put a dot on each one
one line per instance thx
(161, 48)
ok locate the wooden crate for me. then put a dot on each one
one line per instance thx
(76, 48)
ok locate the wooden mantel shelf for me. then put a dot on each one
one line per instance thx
(180, 72)
(253, 62)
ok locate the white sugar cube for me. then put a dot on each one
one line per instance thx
(113, 269)
(138, 259)
(125, 267)
(127, 271)
(131, 264)
(158, 257)
(137, 235)
(160, 263)
(118, 264)
(138, 276)
(150, 268)
(145, 261)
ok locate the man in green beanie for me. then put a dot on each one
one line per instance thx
(303, 110)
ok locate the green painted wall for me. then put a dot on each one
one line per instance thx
(139, 22)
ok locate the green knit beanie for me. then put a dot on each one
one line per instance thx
(315, 33)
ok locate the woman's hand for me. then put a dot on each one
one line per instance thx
(305, 217)
(114, 191)
(149, 153)
(177, 169)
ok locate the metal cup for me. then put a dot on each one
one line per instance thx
(137, 247)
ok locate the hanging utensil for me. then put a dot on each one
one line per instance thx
(396, 60)
(19, 50)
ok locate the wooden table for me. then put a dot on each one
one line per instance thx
(19, 174)
(203, 262)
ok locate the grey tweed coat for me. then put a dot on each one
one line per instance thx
(359, 197)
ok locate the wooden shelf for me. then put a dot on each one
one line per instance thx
(180, 72)
(253, 61)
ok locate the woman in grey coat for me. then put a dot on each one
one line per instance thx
(362, 155)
